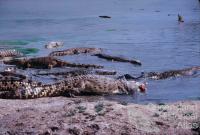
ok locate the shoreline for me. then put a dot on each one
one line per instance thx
(62, 115)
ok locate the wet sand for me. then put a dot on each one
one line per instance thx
(76, 116)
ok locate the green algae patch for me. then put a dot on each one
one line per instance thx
(19, 42)
(13, 42)
(111, 30)
(28, 50)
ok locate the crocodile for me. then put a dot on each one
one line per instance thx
(78, 85)
(76, 72)
(10, 53)
(116, 58)
(164, 75)
(76, 51)
(94, 52)
(172, 73)
(46, 62)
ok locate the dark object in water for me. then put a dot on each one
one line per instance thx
(116, 58)
(76, 51)
(105, 72)
(129, 77)
(104, 16)
(180, 18)
(46, 62)
(10, 53)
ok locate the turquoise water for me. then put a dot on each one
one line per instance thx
(146, 30)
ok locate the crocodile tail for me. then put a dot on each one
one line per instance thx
(10, 53)
(7, 95)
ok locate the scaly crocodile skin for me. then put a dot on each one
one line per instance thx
(76, 72)
(90, 84)
(163, 75)
(10, 53)
(117, 58)
(172, 73)
(46, 62)
(75, 51)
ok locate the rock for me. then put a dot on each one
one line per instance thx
(74, 131)
(99, 107)
(54, 44)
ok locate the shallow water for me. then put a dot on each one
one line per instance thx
(146, 30)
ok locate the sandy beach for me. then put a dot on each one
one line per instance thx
(83, 116)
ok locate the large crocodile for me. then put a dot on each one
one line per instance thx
(46, 62)
(75, 51)
(90, 84)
